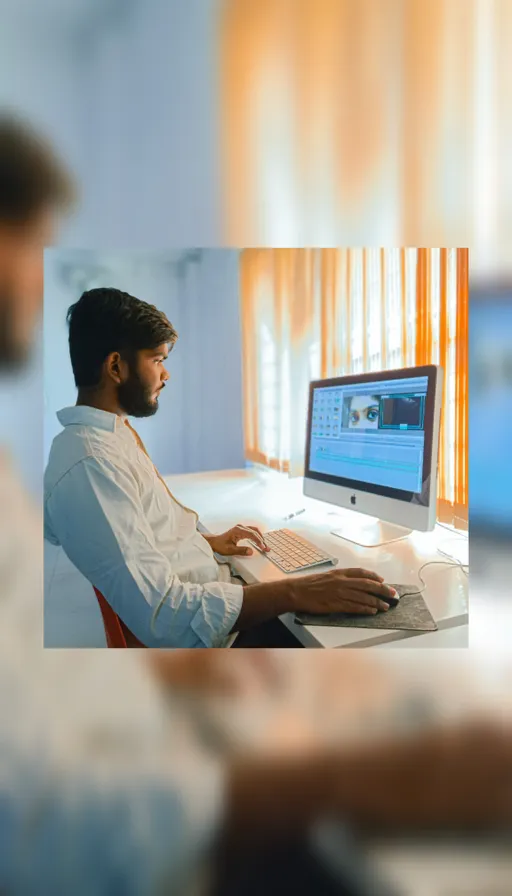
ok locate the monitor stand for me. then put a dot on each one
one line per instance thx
(370, 532)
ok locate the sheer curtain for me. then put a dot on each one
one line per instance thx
(316, 313)
(360, 122)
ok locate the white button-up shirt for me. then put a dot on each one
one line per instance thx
(116, 520)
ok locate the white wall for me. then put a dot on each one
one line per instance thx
(151, 121)
(211, 345)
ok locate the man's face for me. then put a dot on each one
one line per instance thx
(364, 412)
(21, 285)
(138, 395)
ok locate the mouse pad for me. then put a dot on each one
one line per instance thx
(411, 614)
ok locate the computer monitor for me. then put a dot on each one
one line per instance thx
(372, 447)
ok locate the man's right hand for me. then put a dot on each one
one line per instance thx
(338, 591)
(341, 591)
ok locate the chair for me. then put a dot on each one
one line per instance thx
(116, 632)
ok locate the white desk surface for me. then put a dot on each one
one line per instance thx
(263, 498)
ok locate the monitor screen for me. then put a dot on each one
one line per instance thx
(370, 432)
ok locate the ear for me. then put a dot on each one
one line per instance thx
(116, 368)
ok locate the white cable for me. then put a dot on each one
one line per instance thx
(454, 560)
(455, 564)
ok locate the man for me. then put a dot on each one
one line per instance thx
(118, 523)
(101, 792)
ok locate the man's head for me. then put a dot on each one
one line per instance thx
(33, 187)
(118, 345)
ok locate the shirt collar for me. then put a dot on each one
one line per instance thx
(87, 416)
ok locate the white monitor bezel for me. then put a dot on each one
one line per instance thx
(415, 511)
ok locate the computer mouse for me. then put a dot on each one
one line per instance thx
(392, 600)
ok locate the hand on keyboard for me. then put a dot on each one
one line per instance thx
(227, 544)
(341, 591)
(291, 553)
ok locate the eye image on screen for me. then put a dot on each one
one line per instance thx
(402, 412)
(361, 411)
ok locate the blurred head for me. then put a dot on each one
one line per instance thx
(364, 412)
(118, 346)
(34, 188)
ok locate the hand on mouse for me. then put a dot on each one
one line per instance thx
(342, 591)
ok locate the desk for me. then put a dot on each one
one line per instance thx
(263, 498)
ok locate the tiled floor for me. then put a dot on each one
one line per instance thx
(71, 614)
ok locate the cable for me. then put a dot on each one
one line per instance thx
(459, 551)
(454, 560)
(453, 563)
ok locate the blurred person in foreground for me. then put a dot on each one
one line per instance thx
(103, 790)
(111, 511)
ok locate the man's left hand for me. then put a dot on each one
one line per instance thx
(227, 543)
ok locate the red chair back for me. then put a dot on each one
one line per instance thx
(116, 632)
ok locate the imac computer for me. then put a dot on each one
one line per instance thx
(372, 447)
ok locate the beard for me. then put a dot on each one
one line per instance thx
(135, 398)
(14, 353)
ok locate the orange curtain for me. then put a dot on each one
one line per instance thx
(352, 107)
(278, 312)
(251, 272)
(451, 342)
(316, 313)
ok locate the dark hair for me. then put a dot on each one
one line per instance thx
(32, 177)
(106, 320)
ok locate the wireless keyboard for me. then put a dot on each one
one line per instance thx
(291, 553)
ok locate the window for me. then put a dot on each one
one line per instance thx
(357, 310)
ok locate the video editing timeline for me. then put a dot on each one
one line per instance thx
(371, 432)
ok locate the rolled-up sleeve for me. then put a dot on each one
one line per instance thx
(96, 512)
